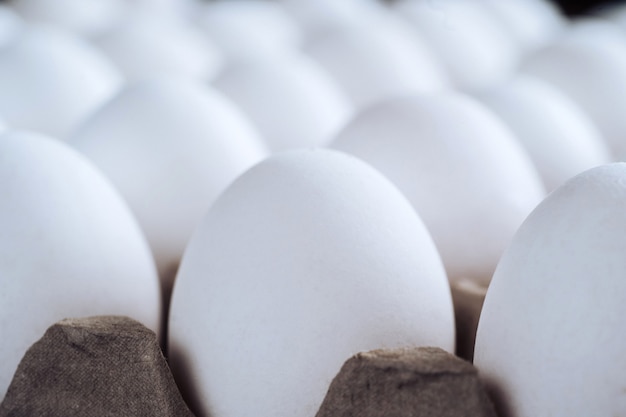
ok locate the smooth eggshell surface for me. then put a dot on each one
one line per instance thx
(69, 246)
(247, 29)
(561, 139)
(10, 25)
(84, 17)
(292, 101)
(464, 172)
(309, 257)
(593, 77)
(550, 339)
(50, 80)
(470, 42)
(148, 44)
(170, 147)
(377, 61)
(530, 23)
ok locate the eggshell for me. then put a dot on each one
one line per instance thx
(306, 259)
(50, 80)
(596, 32)
(84, 17)
(593, 77)
(246, 29)
(69, 246)
(150, 44)
(466, 37)
(10, 25)
(550, 339)
(531, 24)
(560, 138)
(377, 61)
(317, 17)
(464, 172)
(170, 146)
(291, 100)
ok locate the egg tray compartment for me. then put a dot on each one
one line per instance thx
(113, 365)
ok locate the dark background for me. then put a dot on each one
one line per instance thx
(573, 7)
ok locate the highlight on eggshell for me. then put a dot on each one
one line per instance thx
(246, 29)
(558, 135)
(306, 259)
(50, 80)
(550, 338)
(170, 146)
(594, 78)
(466, 37)
(10, 25)
(69, 246)
(147, 43)
(465, 173)
(378, 60)
(292, 100)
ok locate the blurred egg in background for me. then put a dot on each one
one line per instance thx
(170, 146)
(290, 98)
(462, 169)
(51, 79)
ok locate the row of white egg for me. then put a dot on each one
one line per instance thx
(291, 224)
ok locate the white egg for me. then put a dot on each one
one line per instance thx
(291, 100)
(50, 80)
(152, 44)
(531, 23)
(246, 29)
(84, 17)
(69, 246)
(464, 172)
(550, 339)
(560, 138)
(593, 77)
(597, 33)
(170, 147)
(306, 259)
(319, 16)
(10, 25)
(466, 37)
(379, 60)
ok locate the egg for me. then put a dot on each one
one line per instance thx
(292, 101)
(466, 38)
(50, 80)
(148, 44)
(596, 32)
(593, 77)
(246, 29)
(170, 146)
(317, 17)
(83, 17)
(379, 60)
(69, 246)
(532, 24)
(307, 258)
(464, 172)
(10, 25)
(560, 138)
(550, 339)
